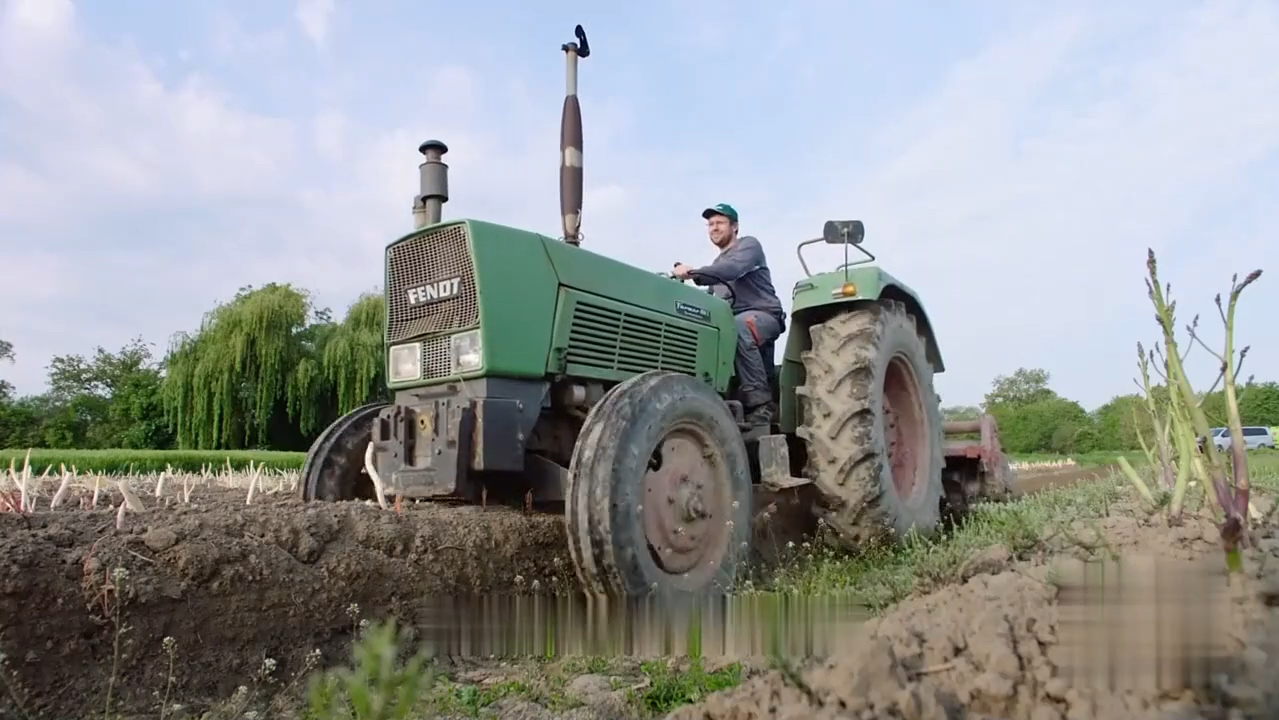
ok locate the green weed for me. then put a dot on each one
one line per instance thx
(669, 689)
(376, 686)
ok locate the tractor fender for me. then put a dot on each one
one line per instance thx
(816, 299)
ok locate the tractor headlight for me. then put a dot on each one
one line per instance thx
(406, 363)
(466, 352)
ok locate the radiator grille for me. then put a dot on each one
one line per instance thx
(610, 339)
(440, 255)
(436, 358)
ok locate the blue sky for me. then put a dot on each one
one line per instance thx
(1012, 161)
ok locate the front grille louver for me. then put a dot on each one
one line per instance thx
(610, 339)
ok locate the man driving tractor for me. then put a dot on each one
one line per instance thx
(742, 267)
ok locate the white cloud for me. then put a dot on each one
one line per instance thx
(99, 126)
(43, 17)
(314, 16)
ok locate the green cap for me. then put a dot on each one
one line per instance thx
(721, 209)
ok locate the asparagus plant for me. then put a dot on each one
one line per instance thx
(1179, 420)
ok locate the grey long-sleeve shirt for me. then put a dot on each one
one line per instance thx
(743, 268)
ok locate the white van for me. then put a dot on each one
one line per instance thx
(1254, 436)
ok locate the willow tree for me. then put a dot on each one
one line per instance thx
(252, 357)
(269, 369)
(352, 359)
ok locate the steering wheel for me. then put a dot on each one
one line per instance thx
(710, 289)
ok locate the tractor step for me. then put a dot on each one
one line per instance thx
(774, 464)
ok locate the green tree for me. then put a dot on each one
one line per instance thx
(110, 400)
(22, 422)
(1023, 387)
(6, 353)
(229, 384)
(1118, 422)
(1214, 407)
(1259, 404)
(10, 417)
(353, 359)
(1032, 417)
(1117, 425)
(268, 369)
(1051, 424)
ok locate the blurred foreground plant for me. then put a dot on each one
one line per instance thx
(376, 686)
(1179, 422)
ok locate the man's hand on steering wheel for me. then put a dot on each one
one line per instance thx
(683, 272)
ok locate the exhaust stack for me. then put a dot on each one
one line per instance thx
(428, 207)
(571, 143)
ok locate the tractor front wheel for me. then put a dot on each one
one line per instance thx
(334, 467)
(659, 491)
(872, 424)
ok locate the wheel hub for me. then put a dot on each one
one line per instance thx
(694, 508)
(686, 503)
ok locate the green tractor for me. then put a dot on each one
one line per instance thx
(590, 387)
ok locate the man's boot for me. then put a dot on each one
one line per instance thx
(762, 415)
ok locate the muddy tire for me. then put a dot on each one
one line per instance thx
(659, 491)
(872, 424)
(334, 467)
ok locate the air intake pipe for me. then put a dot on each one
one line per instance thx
(428, 207)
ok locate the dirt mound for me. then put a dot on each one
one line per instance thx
(234, 585)
(1030, 642)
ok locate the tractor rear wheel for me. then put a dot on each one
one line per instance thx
(872, 424)
(334, 467)
(659, 491)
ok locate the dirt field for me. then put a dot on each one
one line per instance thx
(1033, 640)
(1036, 481)
(235, 585)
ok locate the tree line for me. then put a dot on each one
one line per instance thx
(266, 370)
(269, 370)
(1032, 417)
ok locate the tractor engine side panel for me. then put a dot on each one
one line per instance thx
(603, 339)
(647, 302)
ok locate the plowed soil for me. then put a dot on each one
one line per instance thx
(234, 584)
(1032, 482)
(1170, 637)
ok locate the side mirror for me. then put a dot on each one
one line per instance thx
(844, 232)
